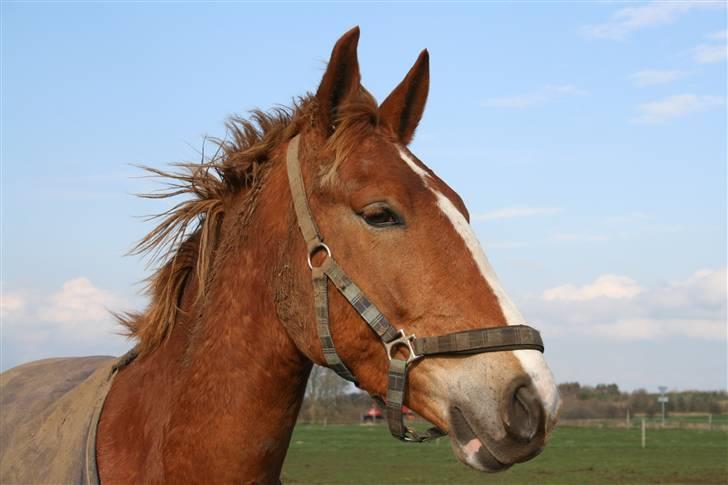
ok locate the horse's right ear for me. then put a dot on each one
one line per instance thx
(340, 80)
(402, 110)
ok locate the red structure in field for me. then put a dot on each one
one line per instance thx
(372, 415)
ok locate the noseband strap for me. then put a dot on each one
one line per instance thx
(491, 339)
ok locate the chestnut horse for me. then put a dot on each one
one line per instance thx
(226, 345)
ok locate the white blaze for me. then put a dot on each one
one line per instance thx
(532, 361)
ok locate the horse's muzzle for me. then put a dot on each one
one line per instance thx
(494, 442)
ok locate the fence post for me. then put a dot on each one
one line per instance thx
(644, 433)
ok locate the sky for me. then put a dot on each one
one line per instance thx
(588, 141)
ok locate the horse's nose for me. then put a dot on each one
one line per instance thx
(523, 414)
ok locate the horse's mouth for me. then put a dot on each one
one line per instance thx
(469, 448)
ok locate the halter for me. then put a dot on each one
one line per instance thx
(493, 339)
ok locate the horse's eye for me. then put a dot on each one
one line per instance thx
(380, 216)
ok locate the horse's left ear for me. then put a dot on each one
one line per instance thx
(402, 110)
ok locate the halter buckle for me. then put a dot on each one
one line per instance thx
(405, 340)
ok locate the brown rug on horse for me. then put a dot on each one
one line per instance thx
(47, 409)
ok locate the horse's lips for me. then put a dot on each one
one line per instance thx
(471, 450)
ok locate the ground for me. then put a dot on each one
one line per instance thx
(367, 454)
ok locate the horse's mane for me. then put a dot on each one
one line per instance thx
(185, 240)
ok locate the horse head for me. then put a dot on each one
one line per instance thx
(404, 237)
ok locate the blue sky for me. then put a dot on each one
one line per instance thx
(587, 139)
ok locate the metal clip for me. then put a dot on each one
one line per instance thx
(405, 340)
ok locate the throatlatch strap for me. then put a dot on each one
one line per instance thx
(496, 339)
(321, 304)
(300, 202)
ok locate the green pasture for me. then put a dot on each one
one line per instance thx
(367, 454)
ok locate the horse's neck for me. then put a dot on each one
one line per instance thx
(217, 403)
(242, 392)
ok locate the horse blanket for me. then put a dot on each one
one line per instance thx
(49, 411)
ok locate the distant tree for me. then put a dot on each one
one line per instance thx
(609, 391)
(569, 389)
(585, 392)
(678, 401)
(323, 390)
(714, 407)
(651, 410)
(639, 400)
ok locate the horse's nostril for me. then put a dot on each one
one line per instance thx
(523, 415)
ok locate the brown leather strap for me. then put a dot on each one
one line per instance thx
(321, 306)
(493, 339)
(396, 389)
(300, 201)
(353, 294)
(314, 240)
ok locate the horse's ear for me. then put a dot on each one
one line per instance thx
(402, 110)
(340, 80)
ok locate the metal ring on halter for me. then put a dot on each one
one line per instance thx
(316, 249)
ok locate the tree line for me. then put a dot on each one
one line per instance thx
(608, 401)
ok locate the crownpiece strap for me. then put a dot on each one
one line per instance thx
(300, 202)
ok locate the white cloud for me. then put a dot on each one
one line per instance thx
(11, 304)
(676, 106)
(651, 77)
(720, 35)
(710, 53)
(606, 286)
(706, 288)
(510, 212)
(652, 14)
(72, 321)
(78, 301)
(618, 307)
(527, 100)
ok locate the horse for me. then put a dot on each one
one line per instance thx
(241, 305)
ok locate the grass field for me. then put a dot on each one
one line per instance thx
(367, 454)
